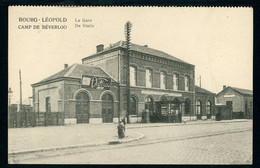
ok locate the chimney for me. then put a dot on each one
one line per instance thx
(66, 66)
(146, 46)
(100, 48)
(224, 87)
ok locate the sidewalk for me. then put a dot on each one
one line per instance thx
(34, 139)
(27, 140)
(144, 125)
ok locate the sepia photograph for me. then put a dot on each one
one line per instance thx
(130, 85)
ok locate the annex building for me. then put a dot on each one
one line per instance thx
(241, 100)
(95, 91)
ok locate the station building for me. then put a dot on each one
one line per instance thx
(95, 91)
(242, 101)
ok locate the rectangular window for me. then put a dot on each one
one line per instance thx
(163, 80)
(187, 83)
(48, 104)
(132, 76)
(148, 78)
(175, 81)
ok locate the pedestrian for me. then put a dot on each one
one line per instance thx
(123, 120)
(174, 117)
(180, 117)
(147, 116)
(121, 130)
(143, 116)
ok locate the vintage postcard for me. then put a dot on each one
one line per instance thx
(130, 85)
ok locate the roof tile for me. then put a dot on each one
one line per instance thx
(76, 71)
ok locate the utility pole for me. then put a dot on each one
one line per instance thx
(128, 27)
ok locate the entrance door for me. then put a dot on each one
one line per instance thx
(107, 108)
(82, 108)
(149, 104)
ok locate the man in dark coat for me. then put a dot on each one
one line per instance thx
(180, 116)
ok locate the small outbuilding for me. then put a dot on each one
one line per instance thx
(242, 101)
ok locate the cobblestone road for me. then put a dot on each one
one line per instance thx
(169, 145)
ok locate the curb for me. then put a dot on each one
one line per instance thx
(180, 124)
(126, 140)
(113, 142)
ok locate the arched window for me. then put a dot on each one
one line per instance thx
(187, 106)
(208, 107)
(133, 106)
(163, 80)
(148, 78)
(198, 107)
(132, 76)
(175, 81)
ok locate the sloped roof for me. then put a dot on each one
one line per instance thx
(243, 91)
(76, 71)
(201, 90)
(238, 90)
(142, 49)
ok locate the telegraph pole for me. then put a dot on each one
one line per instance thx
(128, 27)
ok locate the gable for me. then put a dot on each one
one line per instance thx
(228, 93)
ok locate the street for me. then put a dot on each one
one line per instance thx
(216, 143)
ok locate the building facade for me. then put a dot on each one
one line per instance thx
(205, 103)
(95, 91)
(242, 101)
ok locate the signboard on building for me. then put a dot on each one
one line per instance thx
(160, 93)
(229, 95)
(95, 82)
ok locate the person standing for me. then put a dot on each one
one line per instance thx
(180, 116)
(143, 116)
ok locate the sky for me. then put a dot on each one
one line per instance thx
(218, 41)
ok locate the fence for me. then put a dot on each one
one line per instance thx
(27, 118)
(49, 118)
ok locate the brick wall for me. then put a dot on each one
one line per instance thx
(141, 65)
(238, 100)
(54, 91)
(108, 62)
(203, 99)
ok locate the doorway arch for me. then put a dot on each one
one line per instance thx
(149, 103)
(82, 107)
(107, 108)
(187, 106)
